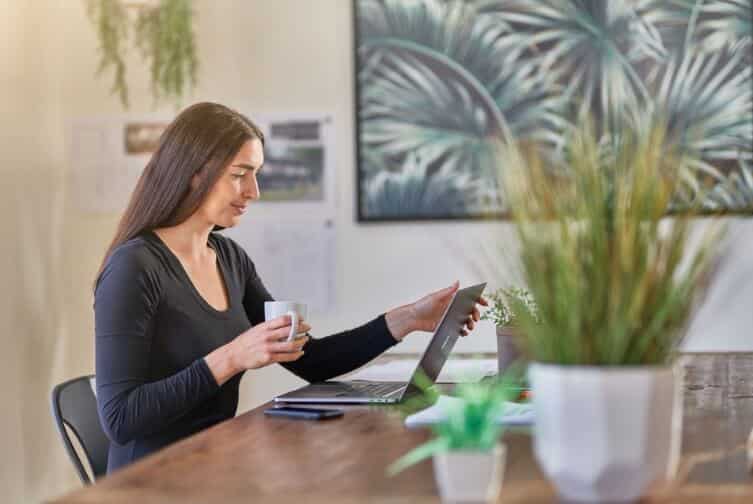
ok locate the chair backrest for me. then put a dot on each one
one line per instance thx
(74, 405)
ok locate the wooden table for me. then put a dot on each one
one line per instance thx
(255, 458)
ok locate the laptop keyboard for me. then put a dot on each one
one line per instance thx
(375, 389)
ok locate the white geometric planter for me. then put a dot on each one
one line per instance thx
(606, 434)
(470, 476)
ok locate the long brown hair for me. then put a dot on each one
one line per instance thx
(202, 139)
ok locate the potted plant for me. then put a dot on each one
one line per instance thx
(502, 311)
(468, 456)
(162, 30)
(615, 288)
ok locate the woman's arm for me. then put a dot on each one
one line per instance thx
(339, 354)
(335, 355)
(130, 405)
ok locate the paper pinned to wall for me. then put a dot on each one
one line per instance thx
(295, 259)
(106, 156)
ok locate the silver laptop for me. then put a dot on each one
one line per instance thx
(430, 364)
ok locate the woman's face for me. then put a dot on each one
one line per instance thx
(236, 187)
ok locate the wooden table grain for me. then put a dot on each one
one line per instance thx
(255, 458)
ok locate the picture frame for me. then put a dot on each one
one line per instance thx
(438, 82)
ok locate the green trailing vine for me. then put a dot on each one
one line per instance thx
(163, 33)
(110, 19)
(165, 38)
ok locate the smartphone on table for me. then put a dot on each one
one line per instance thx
(304, 413)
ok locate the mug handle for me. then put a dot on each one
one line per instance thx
(293, 325)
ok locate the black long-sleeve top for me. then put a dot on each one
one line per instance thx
(153, 329)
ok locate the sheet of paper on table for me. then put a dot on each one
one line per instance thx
(454, 370)
(512, 413)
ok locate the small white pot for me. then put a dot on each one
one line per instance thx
(606, 434)
(468, 476)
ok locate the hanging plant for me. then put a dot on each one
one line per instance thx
(162, 31)
(165, 37)
(111, 22)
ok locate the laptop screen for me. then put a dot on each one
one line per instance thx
(445, 336)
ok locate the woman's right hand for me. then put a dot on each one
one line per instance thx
(259, 346)
(265, 344)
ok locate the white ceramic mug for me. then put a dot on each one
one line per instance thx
(296, 311)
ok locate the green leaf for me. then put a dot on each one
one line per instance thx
(438, 445)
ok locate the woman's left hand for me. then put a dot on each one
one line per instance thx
(426, 313)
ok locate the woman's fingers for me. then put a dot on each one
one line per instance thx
(284, 331)
(447, 291)
(303, 327)
(276, 323)
(287, 357)
(288, 346)
(277, 334)
(474, 317)
(284, 321)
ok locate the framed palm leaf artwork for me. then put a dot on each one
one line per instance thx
(440, 82)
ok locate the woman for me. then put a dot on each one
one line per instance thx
(179, 309)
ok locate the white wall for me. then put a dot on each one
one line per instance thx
(262, 56)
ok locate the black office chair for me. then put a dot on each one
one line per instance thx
(74, 405)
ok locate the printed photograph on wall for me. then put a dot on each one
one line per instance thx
(142, 138)
(440, 82)
(293, 162)
(292, 172)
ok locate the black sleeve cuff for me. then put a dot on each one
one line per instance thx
(382, 332)
(206, 376)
